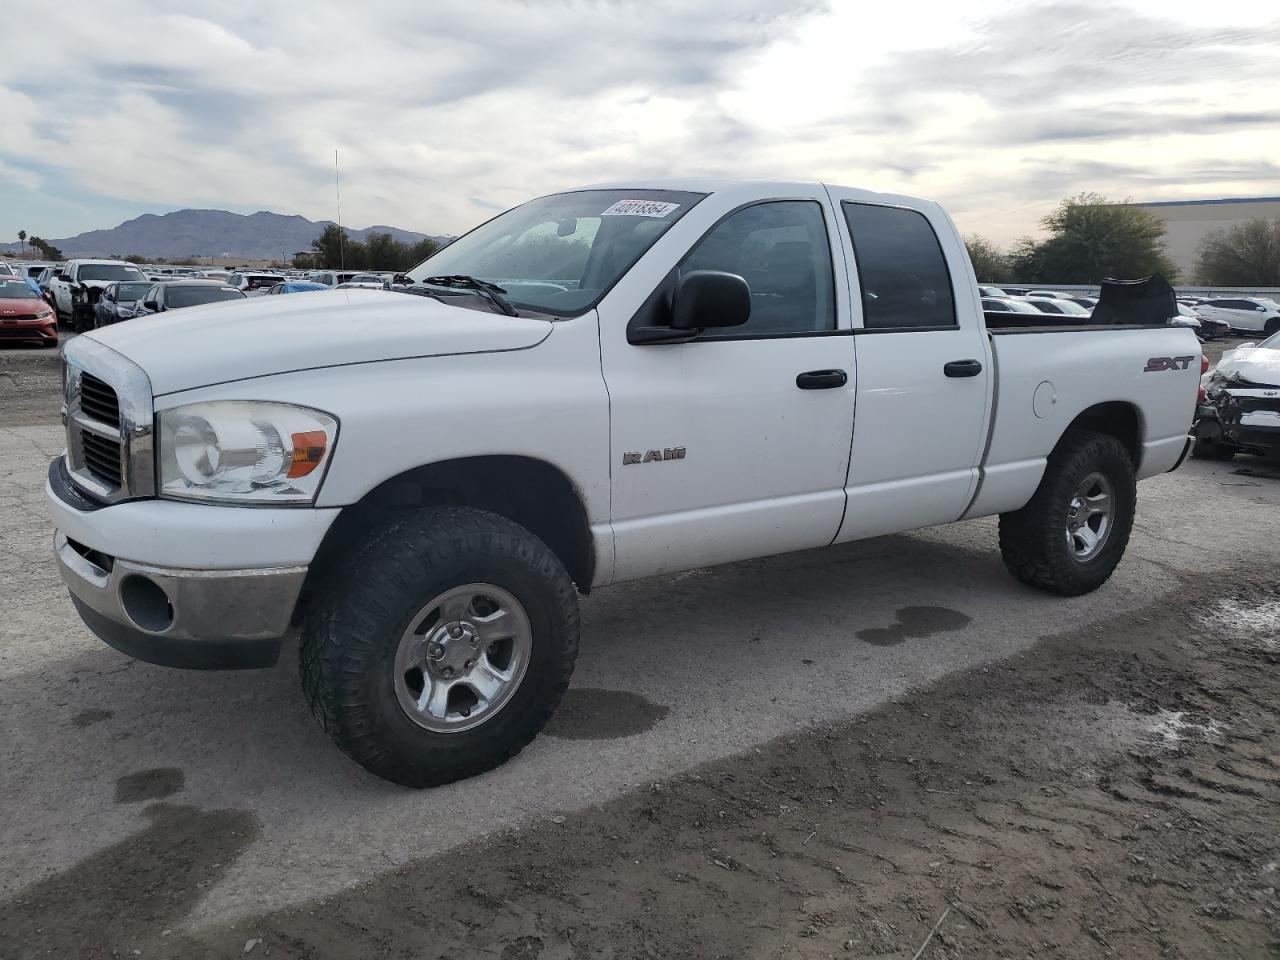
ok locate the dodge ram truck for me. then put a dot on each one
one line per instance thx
(595, 386)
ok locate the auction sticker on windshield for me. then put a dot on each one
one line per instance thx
(640, 208)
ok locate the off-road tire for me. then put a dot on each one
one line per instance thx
(1033, 539)
(351, 633)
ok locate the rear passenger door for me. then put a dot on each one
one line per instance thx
(924, 369)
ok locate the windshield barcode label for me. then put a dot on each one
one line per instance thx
(640, 208)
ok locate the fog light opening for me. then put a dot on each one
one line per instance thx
(145, 603)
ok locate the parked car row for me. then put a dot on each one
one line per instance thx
(1210, 319)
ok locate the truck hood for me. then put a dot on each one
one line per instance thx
(1260, 366)
(236, 340)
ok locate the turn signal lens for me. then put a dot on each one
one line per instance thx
(308, 452)
(1204, 364)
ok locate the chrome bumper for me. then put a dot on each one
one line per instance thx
(198, 619)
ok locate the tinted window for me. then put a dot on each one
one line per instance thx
(131, 291)
(191, 296)
(995, 305)
(901, 268)
(108, 271)
(780, 248)
(1046, 307)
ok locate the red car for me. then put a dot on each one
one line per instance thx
(24, 315)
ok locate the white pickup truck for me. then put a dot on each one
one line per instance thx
(78, 285)
(595, 386)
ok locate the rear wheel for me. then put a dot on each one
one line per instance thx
(442, 647)
(1273, 326)
(1070, 536)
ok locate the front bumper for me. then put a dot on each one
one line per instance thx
(183, 585)
(29, 329)
(197, 619)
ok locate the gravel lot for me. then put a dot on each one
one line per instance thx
(834, 750)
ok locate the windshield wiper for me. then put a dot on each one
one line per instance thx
(490, 291)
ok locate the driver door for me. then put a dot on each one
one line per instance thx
(735, 444)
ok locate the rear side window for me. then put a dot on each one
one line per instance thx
(780, 248)
(903, 274)
(995, 305)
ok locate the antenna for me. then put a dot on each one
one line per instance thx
(337, 192)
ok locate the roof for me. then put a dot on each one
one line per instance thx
(192, 282)
(1198, 203)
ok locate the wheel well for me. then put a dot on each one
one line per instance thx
(531, 492)
(1118, 418)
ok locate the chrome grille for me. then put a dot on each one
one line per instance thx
(98, 400)
(109, 420)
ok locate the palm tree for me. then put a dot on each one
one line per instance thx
(22, 238)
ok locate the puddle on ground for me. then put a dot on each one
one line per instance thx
(149, 784)
(588, 713)
(916, 622)
(1256, 622)
(88, 717)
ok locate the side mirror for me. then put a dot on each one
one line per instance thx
(1260, 308)
(681, 307)
(64, 277)
(1246, 346)
(151, 304)
(710, 298)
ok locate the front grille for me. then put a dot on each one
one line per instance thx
(109, 418)
(101, 457)
(21, 333)
(98, 400)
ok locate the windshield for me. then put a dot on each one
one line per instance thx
(560, 254)
(16, 290)
(109, 271)
(132, 291)
(191, 296)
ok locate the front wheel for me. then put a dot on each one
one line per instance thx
(1070, 536)
(442, 647)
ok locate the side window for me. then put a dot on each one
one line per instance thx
(904, 276)
(1044, 307)
(780, 248)
(996, 306)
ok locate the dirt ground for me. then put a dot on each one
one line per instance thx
(1111, 793)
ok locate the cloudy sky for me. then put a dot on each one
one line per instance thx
(444, 112)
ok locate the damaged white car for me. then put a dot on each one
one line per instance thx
(1239, 407)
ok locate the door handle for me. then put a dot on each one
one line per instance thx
(962, 368)
(822, 379)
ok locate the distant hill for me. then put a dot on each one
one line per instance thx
(209, 233)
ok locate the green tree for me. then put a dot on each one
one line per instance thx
(47, 250)
(989, 264)
(1246, 255)
(419, 251)
(1092, 238)
(22, 239)
(331, 247)
(137, 258)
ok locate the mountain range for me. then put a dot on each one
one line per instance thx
(209, 233)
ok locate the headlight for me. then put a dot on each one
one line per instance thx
(44, 314)
(238, 451)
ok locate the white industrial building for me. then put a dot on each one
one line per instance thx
(1188, 221)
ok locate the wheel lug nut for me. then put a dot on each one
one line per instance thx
(447, 672)
(469, 664)
(455, 631)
